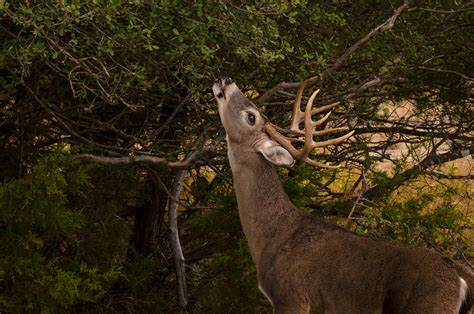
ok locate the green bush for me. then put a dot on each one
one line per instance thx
(41, 222)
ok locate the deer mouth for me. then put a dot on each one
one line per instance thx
(220, 86)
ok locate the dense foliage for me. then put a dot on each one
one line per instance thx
(112, 81)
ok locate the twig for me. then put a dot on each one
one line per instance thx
(464, 76)
(447, 176)
(169, 193)
(59, 118)
(122, 134)
(364, 188)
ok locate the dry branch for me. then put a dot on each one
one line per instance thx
(174, 239)
(388, 24)
(147, 160)
(431, 160)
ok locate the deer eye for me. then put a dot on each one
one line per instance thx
(220, 95)
(251, 118)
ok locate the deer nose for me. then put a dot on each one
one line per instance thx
(224, 87)
(227, 81)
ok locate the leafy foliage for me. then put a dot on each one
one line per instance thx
(41, 222)
(233, 272)
(132, 78)
(431, 218)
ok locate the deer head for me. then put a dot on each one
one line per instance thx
(244, 123)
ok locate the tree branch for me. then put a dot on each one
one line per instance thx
(412, 131)
(279, 87)
(174, 239)
(464, 76)
(431, 160)
(147, 160)
(388, 24)
(198, 156)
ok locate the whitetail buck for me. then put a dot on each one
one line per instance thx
(306, 265)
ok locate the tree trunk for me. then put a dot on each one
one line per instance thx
(148, 219)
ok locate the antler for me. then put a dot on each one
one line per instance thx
(309, 129)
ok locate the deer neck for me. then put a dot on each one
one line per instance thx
(266, 214)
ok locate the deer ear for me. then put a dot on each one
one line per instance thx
(275, 154)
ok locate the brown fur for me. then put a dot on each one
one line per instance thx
(306, 265)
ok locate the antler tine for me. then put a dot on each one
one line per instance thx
(333, 141)
(322, 120)
(327, 131)
(297, 113)
(315, 133)
(288, 131)
(309, 130)
(314, 163)
(309, 127)
(325, 108)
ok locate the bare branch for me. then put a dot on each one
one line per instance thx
(190, 161)
(466, 6)
(409, 130)
(148, 160)
(429, 161)
(279, 87)
(388, 24)
(174, 239)
(464, 76)
(364, 188)
(432, 160)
